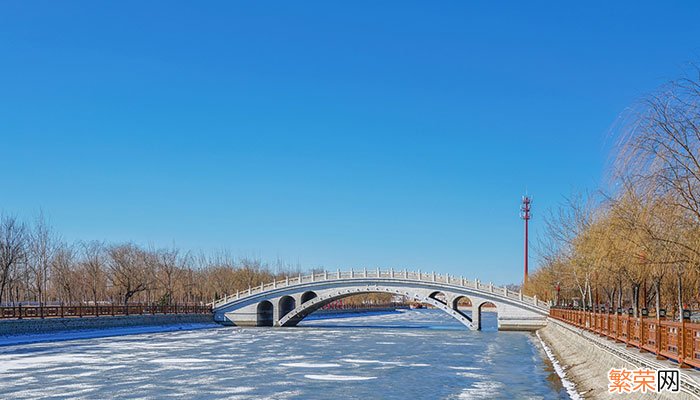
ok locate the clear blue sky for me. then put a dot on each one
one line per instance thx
(331, 134)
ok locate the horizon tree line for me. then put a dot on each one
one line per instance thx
(38, 268)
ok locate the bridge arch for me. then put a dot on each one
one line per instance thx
(307, 307)
(439, 296)
(285, 305)
(306, 296)
(461, 299)
(479, 310)
(265, 313)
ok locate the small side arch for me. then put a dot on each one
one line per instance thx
(440, 297)
(489, 308)
(265, 314)
(286, 305)
(306, 296)
(461, 301)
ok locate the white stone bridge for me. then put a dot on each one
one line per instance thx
(288, 301)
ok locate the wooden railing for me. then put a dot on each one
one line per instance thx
(675, 340)
(65, 311)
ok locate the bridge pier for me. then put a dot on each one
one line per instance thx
(476, 316)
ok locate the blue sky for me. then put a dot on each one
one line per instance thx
(394, 134)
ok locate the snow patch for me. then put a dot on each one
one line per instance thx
(331, 377)
(309, 365)
(568, 385)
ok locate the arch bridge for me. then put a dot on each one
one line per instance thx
(287, 302)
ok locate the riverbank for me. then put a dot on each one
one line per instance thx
(586, 364)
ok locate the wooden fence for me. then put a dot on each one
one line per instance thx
(675, 340)
(65, 311)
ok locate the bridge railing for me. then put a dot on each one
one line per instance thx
(101, 310)
(675, 340)
(381, 274)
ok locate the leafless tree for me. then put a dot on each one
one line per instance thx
(13, 251)
(128, 271)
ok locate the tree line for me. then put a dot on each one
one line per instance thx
(636, 245)
(37, 267)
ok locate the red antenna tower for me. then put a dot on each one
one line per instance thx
(525, 215)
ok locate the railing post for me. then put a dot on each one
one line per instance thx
(325, 275)
(534, 298)
(476, 283)
(628, 331)
(491, 287)
(364, 272)
(379, 273)
(681, 343)
(286, 281)
(433, 276)
(461, 280)
(312, 276)
(391, 272)
(238, 294)
(274, 283)
(352, 273)
(641, 333)
(299, 277)
(520, 294)
(505, 291)
(405, 273)
(658, 338)
(250, 290)
(420, 275)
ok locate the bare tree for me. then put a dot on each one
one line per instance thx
(41, 251)
(65, 279)
(13, 241)
(128, 271)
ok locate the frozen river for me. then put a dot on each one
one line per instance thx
(418, 354)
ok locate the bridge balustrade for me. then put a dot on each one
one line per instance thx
(678, 341)
(64, 311)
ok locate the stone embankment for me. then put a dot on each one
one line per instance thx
(50, 325)
(586, 359)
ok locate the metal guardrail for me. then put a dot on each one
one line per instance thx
(65, 311)
(674, 340)
(402, 275)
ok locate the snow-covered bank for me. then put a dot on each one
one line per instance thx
(568, 385)
(587, 365)
(98, 333)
